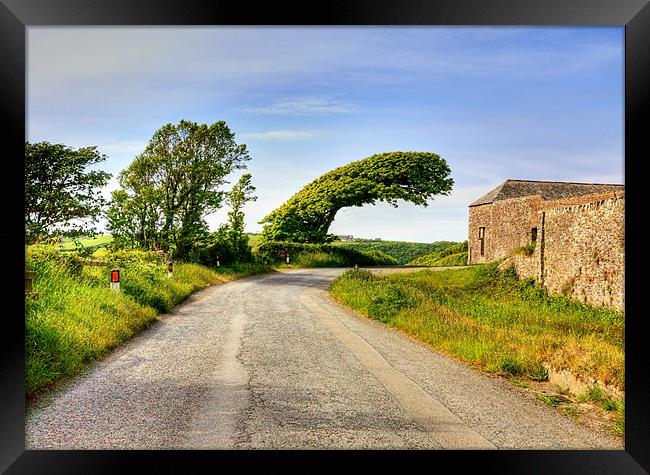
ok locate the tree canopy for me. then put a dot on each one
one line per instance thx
(169, 189)
(61, 196)
(410, 176)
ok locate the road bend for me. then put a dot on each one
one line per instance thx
(271, 361)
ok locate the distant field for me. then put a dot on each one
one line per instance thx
(404, 252)
(454, 255)
(102, 239)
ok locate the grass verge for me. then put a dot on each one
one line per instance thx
(76, 318)
(493, 321)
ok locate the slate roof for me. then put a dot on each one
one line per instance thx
(548, 190)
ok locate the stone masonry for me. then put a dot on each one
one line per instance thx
(579, 242)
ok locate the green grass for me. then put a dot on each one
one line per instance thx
(92, 242)
(497, 323)
(454, 255)
(519, 383)
(77, 319)
(597, 395)
(493, 321)
(526, 250)
(553, 401)
(569, 411)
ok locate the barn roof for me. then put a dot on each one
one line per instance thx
(548, 190)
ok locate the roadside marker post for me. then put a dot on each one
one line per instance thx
(29, 277)
(287, 257)
(170, 269)
(218, 262)
(115, 280)
(29, 289)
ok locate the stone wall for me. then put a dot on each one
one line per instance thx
(580, 249)
(584, 251)
(507, 223)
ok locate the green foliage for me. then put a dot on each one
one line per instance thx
(87, 243)
(220, 245)
(168, 189)
(240, 194)
(77, 318)
(452, 255)
(385, 304)
(494, 321)
(402, 251)
(389, 177)
(552, 401)
(526, 250)
(61, 196)
(319, 255)
(519, 382)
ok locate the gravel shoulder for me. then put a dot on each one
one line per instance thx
(271, 361)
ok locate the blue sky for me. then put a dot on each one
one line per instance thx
(541, 103)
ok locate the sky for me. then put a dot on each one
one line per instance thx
(536, 103)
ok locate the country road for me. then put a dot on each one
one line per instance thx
(272, 361)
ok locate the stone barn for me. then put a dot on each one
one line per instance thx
(577, 230)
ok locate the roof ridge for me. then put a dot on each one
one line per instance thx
(566, 182)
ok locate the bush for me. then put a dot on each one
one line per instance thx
(218, 244)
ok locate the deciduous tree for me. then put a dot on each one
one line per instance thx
(62, 196)
(170, 188)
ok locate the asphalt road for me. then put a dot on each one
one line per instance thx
(272, 361)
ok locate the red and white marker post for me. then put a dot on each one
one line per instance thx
(115, 280)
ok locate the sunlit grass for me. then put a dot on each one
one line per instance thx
(493, 321)
(76, 318)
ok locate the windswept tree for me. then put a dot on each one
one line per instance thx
(62, 197)
(410, 176)
(169, 189)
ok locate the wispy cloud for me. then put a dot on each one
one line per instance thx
(122, 147)
(279, 135)
(305, 106)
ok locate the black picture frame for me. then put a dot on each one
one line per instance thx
(17, 15)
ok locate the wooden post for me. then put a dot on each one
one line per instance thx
(29, 277)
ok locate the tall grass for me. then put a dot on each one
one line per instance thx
(492, 320)
(76, 318)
